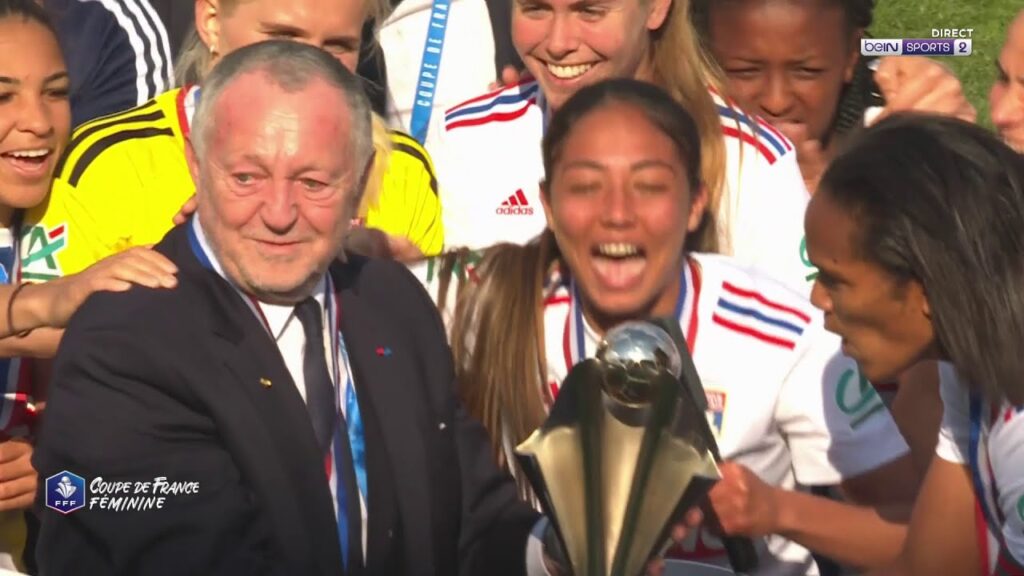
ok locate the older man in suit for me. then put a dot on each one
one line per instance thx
(275, 413)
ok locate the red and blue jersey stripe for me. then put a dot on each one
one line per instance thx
(750, 313)
(755, 131)
(500, 106)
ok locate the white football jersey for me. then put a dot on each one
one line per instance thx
(467, 61)
(489, 164)
(782, 400)
(990, 441)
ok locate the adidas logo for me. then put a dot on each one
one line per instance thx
(516, 205)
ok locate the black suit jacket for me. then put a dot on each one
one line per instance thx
(173, 383)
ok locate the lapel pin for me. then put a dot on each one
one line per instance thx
(265, 382)
(383, 351)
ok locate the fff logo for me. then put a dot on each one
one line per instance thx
(65, 492)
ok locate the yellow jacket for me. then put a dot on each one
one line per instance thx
(123, 177)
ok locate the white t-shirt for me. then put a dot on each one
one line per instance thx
(990, 441)
(490, 167)
(467, 60)
(782, 399)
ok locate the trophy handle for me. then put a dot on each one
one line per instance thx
(740, 549)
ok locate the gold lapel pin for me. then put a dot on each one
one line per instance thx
(265, 382)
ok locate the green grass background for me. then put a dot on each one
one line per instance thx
(989, 18)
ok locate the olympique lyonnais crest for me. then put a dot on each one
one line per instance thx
(65, 492)
(716, 410)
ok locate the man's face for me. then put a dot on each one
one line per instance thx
(1007, 95)
(277, 180)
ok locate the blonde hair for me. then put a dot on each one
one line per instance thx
(684, 68)
(382, 153)
(195, 59)
(497, 338)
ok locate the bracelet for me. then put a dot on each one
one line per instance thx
(10, 312)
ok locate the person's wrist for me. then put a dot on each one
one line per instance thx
(34, 307)
(783, 521)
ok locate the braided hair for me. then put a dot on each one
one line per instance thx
(861, 92)
(859, 13)
(858, 95)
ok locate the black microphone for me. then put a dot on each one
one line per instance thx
(740, 549)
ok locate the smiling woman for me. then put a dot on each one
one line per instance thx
(35, 121)
(748, 169)
(621, 196)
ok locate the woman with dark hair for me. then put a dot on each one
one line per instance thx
(621, 196)
(916, 231)
(797, 63)
(35, 121)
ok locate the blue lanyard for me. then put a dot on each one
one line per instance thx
(354, 432)
(975, 461)
(357, 443)
(430, 66)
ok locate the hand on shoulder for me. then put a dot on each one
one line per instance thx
(141, 266)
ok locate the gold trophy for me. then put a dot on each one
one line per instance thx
(626, 449)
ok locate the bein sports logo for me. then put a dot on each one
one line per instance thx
(65, 492)
(515, 205)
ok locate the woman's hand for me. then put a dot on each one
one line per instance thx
(916, 83)
(809, 155)
(510, 76)
(117, 273)
(744, 505)
(689, 522)
(17, 476)
(187, 209)
(374, 243)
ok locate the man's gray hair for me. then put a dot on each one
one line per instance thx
(291, 66)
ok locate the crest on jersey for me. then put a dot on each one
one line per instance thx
(39, 254)
(812, 270)
(857, 398)
(716, 410)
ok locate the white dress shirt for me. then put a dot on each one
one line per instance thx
(291, 342)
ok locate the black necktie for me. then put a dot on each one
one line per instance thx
(324, 415)
(319, 389)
